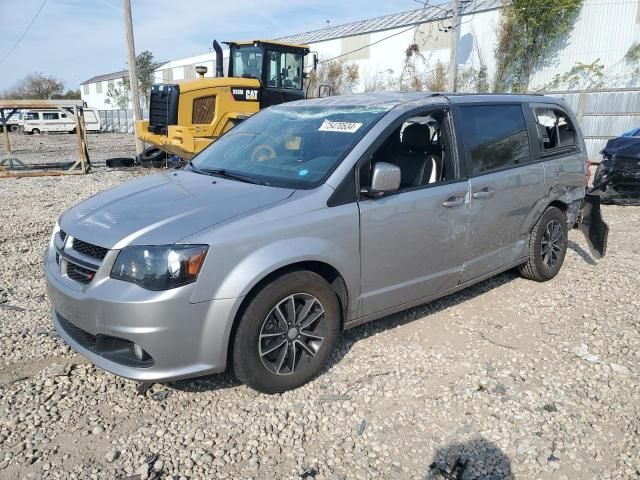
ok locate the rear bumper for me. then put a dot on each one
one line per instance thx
(593, 226)
(102, 321)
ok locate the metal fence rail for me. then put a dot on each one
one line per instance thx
(118, 121)
(603, 114)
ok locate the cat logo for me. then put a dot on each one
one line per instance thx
(245, 94)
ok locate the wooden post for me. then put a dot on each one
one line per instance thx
(133, 78)
(453, 54)
(4, 119)
(10, 159)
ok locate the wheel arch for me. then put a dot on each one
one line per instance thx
(331, 274)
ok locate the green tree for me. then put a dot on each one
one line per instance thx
(68, 95)
(580, 76)
(632, 58)
(145, 67)
(530, 32)
(120, 95)
(35, 86)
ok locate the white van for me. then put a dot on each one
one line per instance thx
(40, 121)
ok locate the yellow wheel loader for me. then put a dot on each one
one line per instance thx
(186, 117)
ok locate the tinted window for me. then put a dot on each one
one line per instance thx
(289, 146)
(50, 116)
(31, 116)
(247, 62)
(555, 129)
(285, 70)
(495, 135)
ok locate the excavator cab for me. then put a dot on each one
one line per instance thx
(185, 117)
(278, 66)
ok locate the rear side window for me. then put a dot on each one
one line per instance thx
(50, 116)
(495, 136)
(555, 129)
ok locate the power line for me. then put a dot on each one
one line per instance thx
(367, 46)
(422, 17)
(15, 45)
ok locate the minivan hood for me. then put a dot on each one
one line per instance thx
(164, 208)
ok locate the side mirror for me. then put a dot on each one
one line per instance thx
(385, 178)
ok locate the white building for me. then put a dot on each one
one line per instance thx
(94, 91)
(185, 69)
(604, 31)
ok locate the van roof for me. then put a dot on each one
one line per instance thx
(398, 98)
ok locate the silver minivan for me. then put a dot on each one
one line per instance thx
(313, 217)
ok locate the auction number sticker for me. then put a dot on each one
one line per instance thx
(346, 127)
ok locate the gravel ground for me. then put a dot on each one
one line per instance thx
(63, 147)
(523, 380)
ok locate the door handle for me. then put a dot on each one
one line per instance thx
(484, 193)
(453, 202)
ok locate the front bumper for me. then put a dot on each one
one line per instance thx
(105, 317)
(179, 140)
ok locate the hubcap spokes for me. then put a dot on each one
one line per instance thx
(551, 244)
(291, 334)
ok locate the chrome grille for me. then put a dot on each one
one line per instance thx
(79, 274)
(89, 249)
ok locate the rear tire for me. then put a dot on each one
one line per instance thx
(153, 157)
(14, 128)
(273, 354)
(547, 246)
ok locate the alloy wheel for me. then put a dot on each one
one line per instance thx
(551, 244)
(291, 334)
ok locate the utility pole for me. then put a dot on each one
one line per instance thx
(133, 78)
(453, 55)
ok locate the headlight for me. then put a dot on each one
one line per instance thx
(159, 267)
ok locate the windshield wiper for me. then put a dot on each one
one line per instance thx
(195, 169)
(227, 174)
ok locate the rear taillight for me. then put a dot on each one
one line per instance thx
(587, 175)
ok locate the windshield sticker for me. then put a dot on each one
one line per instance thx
(304, 172)
(346, 127)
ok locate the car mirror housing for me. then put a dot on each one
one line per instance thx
(385, 178)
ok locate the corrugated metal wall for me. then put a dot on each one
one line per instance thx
(603, 114)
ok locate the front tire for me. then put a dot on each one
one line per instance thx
(547, 246)
(287, 333)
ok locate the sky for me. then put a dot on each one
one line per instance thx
(75, 40)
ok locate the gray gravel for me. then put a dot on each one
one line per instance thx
(522, 380)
